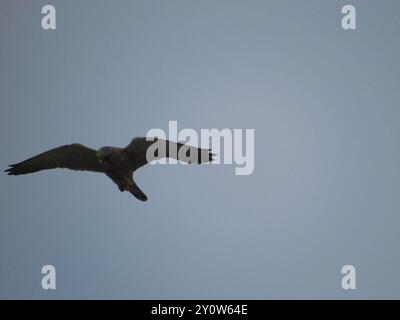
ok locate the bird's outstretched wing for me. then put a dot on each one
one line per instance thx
(73, 156)
(144, 150)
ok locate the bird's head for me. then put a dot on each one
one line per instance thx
(104, 153)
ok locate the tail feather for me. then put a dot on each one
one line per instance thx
(135, 191)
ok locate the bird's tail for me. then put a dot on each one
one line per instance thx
(135, 191)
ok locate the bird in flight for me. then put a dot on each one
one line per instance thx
(118, 164)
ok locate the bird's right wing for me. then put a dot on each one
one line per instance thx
(73, 156)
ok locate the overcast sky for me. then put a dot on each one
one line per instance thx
(324, 104)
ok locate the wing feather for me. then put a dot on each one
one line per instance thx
(144, 150)
(73, 156)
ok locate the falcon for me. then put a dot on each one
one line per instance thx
(119, 164)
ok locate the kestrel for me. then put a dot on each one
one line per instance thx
(118, 164)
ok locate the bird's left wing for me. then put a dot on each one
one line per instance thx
(144, 150)
(73, 156)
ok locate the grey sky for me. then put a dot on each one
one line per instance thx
(324, 104)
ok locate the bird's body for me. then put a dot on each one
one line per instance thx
(118, 164)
